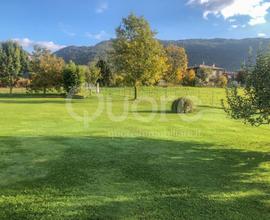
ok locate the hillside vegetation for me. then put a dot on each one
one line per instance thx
(227, 53)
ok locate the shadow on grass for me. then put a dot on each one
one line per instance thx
(31, 99)
(18, 95)
(167, 112)
(210, 106)
(104, 178)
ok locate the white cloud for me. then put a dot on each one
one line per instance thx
(99, 36)
(234, 26)
(29, 44)
(261, 35)
(256, 10)
(25, 42)
(102, 7)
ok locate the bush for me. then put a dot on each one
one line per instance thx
(182, 106)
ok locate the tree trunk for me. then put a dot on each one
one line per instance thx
(10, 84)
(97, 88)
(44, 91)
(135, 92)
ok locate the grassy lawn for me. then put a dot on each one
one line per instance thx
(152, 165)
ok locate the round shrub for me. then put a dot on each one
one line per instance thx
(182, 106)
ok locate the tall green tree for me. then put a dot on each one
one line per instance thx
(137, 54)
(105, 72)
(93, 75)
(13, 62)
(71, 78)
(253, 104)
(46, 70)
(177, 62)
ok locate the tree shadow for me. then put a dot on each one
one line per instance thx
(211, 106)
(112, 178)
(154, 111)
(31, 99)
(30, 95)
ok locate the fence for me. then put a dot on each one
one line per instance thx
(206, 96)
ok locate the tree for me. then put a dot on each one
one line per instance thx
(71, 78)
(13, 62)
(92, 75)
(241, 77)
(106, 77)
(177, 62)
(189, 78)
(46, 71)
(137, 55)
(253, 104)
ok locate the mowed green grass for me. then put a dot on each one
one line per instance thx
(152, 165)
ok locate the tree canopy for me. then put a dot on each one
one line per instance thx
(137, 55)
(71, 78)
(46, 70)
(106, 77)
(177, 62)
(13, 62)
(253, 104)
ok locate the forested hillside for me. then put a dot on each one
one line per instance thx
(227, 53)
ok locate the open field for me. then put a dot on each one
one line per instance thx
(57, 162)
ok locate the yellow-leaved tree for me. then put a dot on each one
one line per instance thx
(177, 62)
(137, 55)
(47, 71)
(189, 78)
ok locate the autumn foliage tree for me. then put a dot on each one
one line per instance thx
(137, 55)
(47, 71)
(189, 78)
(177, 64)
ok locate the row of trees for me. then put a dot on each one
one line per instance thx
(138, 58)
(50, 72)
(42, 71)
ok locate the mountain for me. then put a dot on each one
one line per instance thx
(83, 55)
(227, 53)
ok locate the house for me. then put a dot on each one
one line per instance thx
(207, 74)
(213, 70)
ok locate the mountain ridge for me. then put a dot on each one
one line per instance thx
(227, 53)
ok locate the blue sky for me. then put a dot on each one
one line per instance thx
(58, 23)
